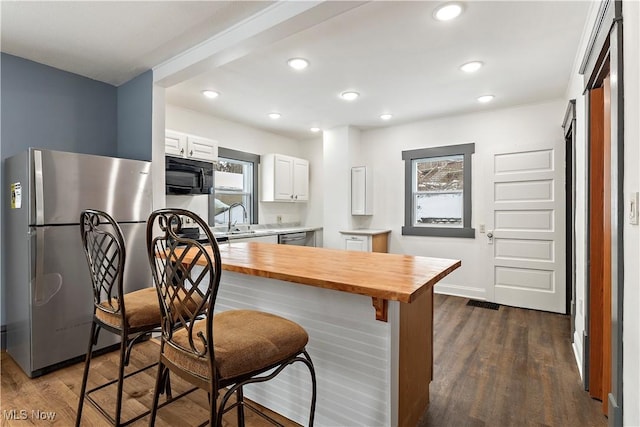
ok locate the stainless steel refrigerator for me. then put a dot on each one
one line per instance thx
(48, 293)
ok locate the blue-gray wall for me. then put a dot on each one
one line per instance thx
(135, 100)
(48, 108)
(44, 107)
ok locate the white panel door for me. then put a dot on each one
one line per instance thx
(527, 237)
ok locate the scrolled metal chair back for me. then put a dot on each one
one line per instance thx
(186, 274)
(104, 248)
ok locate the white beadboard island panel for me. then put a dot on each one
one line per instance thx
(354, 355)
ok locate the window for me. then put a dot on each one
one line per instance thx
(236, 181)
(438, 191)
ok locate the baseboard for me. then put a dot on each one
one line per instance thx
(460, 291)
(576, 345)
(3, 337)
(615, 412)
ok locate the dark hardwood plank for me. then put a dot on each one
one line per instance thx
(58, 392)
(510, 367)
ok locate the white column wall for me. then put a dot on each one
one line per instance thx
(312, 150)
(340, 148)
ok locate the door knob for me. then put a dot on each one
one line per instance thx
(490, 237)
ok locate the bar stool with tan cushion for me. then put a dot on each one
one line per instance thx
(213, 352)
(132, 316)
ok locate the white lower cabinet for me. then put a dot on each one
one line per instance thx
(357, 242)
(366, 240)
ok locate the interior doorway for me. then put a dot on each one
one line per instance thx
(569, 126)
(602, 67)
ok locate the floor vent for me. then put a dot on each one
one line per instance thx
(483, 304)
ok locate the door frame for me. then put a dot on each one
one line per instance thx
(604, 56)
(569, 126)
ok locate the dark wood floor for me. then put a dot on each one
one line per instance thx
(510, 367)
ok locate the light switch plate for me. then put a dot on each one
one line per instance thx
(633, 209)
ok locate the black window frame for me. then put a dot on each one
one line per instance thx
(232, 154)
(466, 231)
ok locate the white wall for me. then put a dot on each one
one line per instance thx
(312, 151)
(574, 91)
(631, 316)
(238, 137)
(524, 126)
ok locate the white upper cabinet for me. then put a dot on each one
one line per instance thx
(301, 180)
(361, 191)
(202, 148)
(284, 178)
(175, 144)
(190, 146)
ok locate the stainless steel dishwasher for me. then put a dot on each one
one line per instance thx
(301, 238)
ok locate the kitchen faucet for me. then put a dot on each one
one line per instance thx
(233, 205)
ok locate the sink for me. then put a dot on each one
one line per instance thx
(238, 233)
(241, 232)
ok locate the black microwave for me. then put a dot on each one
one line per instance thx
(186, 176)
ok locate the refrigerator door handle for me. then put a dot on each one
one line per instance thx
(37, 164)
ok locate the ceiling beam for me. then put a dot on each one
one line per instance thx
(280, 20)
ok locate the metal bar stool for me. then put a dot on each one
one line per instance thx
(227, 350)
(132, 316)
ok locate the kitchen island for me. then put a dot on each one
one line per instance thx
(370, 321)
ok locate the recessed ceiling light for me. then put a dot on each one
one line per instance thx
(485, 98)
(314, 129)
(210, 93)
(386, 116)
(349, 95)
(298, 63)
(274, 116)
(471, 67)
(447, 11)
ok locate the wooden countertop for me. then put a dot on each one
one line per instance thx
(365, 231)
(381, 276)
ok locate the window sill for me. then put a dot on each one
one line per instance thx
(469, 233)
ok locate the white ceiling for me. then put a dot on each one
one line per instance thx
(395, 54)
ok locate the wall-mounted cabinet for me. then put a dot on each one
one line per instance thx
(180, 144)
(284, 178)
(361, 191)
(366, 240)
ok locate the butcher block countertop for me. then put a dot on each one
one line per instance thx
(381, 276)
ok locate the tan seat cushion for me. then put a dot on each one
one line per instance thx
(244, 341)
(142, 310)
